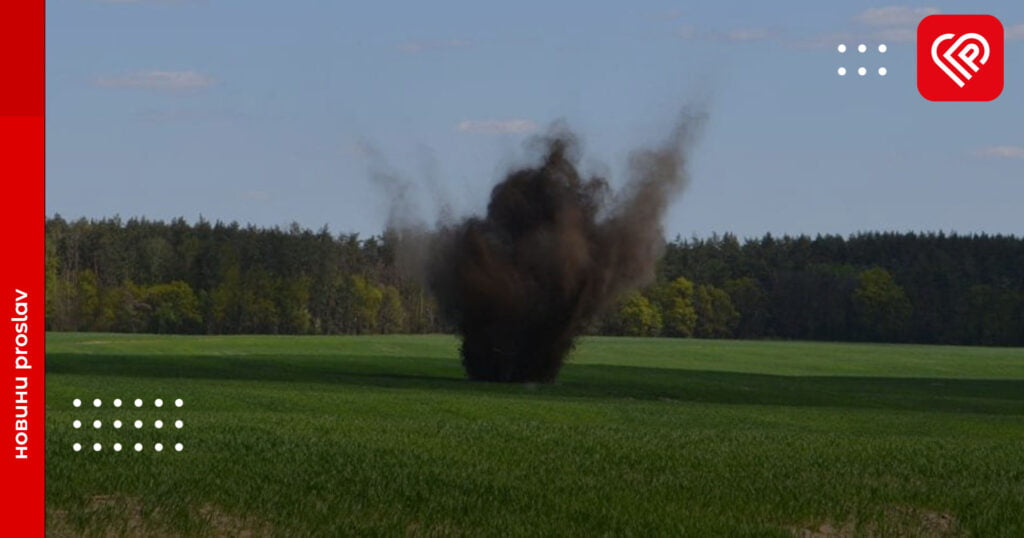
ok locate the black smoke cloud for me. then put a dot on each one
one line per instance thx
(553, 251)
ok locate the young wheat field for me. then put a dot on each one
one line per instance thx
(382, 436)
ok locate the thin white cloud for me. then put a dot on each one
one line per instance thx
(891, 24)
(894, 35)
(821, 41)
(497, 126)
(418, 46)
(158, 80)
(1015, 32)
(1001, 152)
(894, 15)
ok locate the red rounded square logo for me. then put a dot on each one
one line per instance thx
(960, 57)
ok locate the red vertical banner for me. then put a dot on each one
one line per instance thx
(22, 267)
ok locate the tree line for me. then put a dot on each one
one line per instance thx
(221, 278)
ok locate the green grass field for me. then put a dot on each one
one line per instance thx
(381, 436)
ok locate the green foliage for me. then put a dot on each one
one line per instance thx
(87, 299)
(392, 313)
(52, 282)
(716, 316)
(259, 310)
(173, 308)
(883, 306)
(225, 303)
(127, 308)
(995, 314)
(155, 259)
(636, 316)
(294, 299)
(675, 301)
(366, 300)
(751, 302)
(951, 289)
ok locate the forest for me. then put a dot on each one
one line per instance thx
(139, 275)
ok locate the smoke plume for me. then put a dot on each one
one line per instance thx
(553, 251)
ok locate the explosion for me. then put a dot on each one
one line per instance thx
(553, 251)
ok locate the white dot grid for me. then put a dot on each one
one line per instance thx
(117, 447)
(862, 48)
(77, 402)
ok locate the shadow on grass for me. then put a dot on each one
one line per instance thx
(990, 396)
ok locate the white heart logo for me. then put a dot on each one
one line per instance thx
(966, 50)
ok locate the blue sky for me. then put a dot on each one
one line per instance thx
(272, 112)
